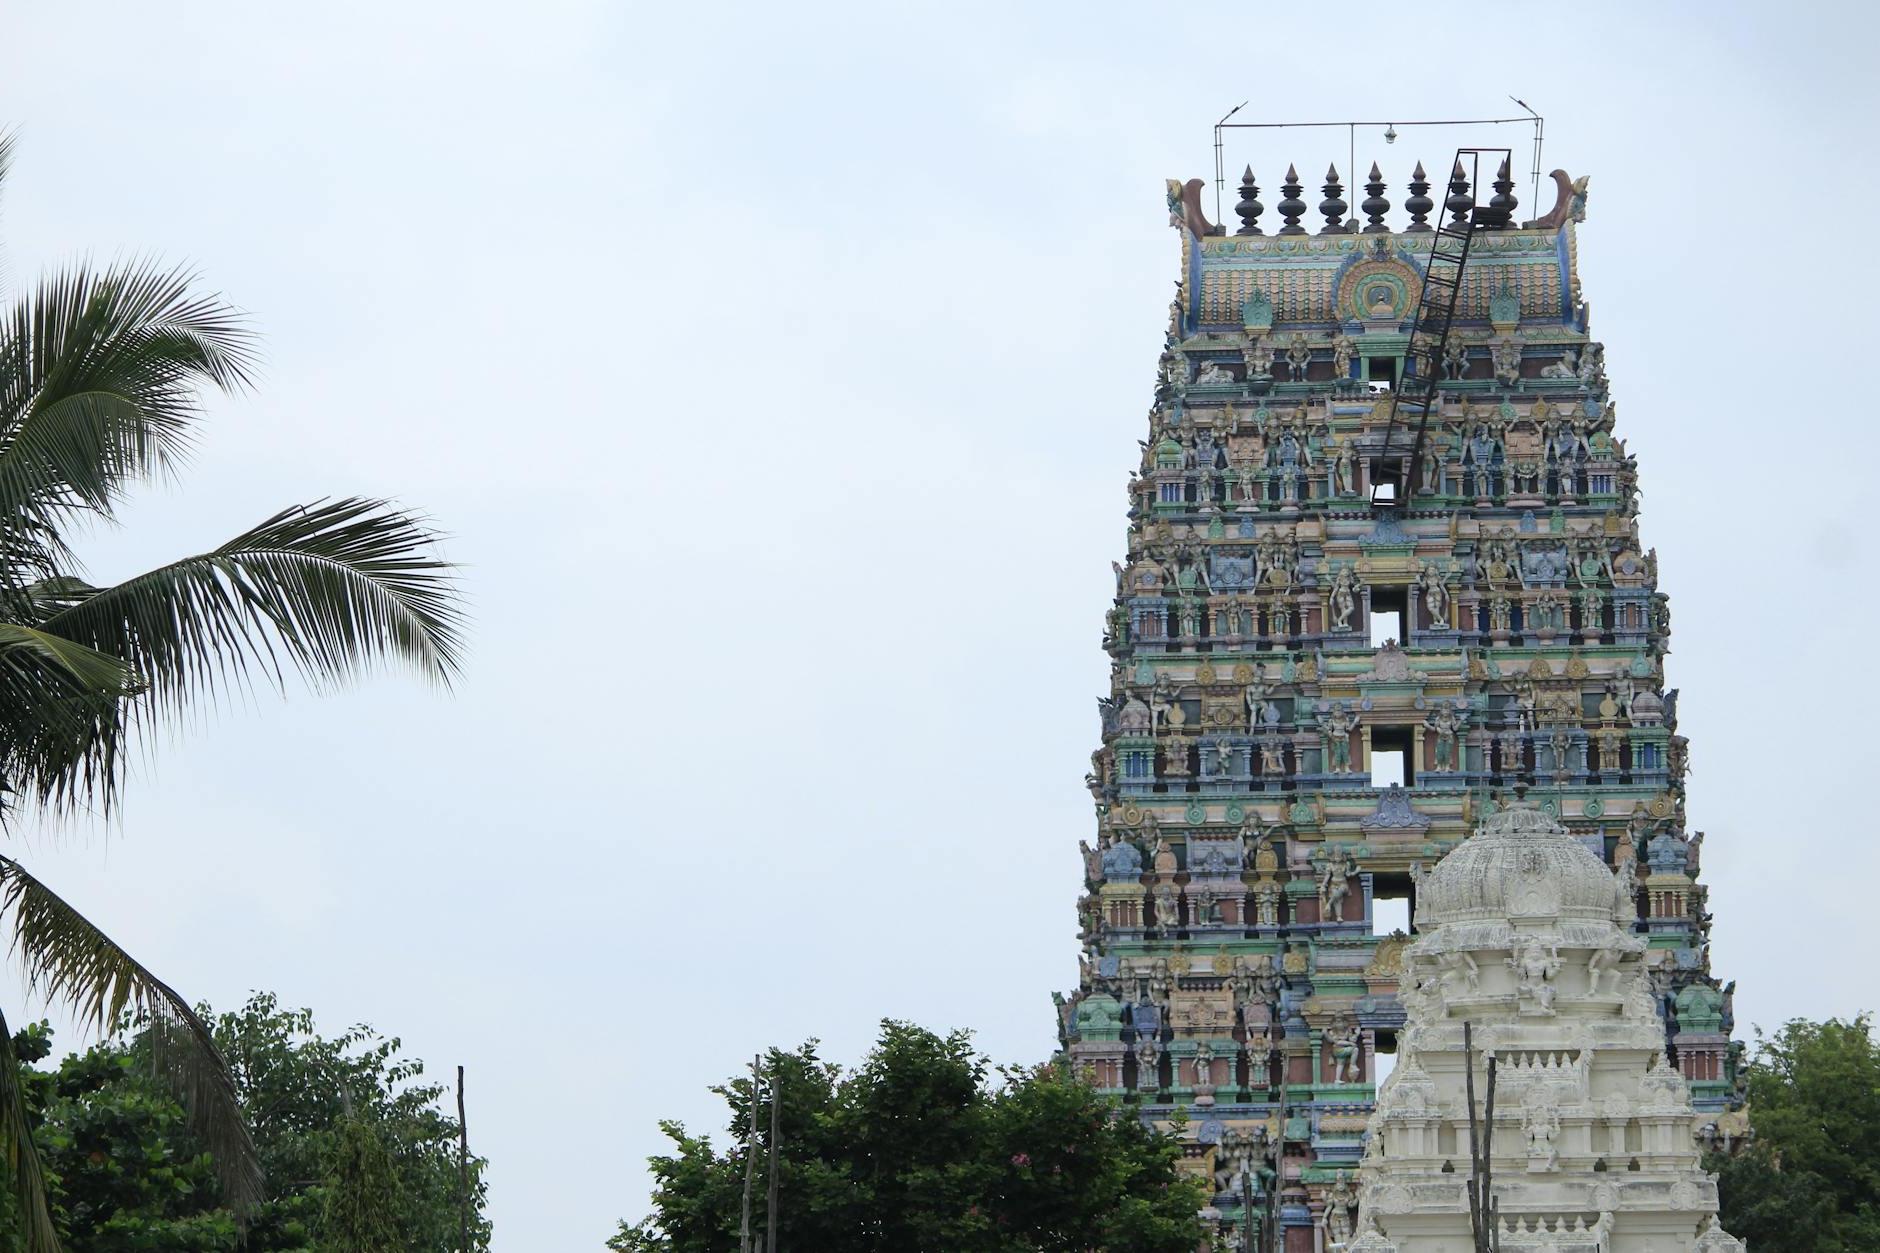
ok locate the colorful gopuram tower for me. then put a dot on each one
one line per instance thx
(1280, 640)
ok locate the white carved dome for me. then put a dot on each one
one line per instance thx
(1520, 863)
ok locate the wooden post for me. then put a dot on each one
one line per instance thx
(771, 1242)
(1475, 1154)
(750, 1163)
(463, 1171)
(1493, 1244)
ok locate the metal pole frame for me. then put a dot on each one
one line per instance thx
(1533, 119)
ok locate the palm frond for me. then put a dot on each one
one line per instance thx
(22, 1156)
(101, 377)
(62, 718)
(70, 961)
(335, 587)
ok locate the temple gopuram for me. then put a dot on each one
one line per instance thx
(1322, 682)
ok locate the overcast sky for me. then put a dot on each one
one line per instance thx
(777, 371)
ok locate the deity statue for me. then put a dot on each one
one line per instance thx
(1347, 1046)
(1342, 348)
(1204, 1068)
(1298, 357)
(1337, 725)
(1266, 898)
(1459, 973)
(1160, 984)
(1500, 613)
(1602, 964)
(1611, 749)
(1542, 1126)
(1258, 358)
(1455, 359)
(1272, 756)
(1168, 907)
(1256, 695)
(1535, 965)
(1445, 722)
(1279, 617)
(1339, 1199)
(1505, 354)
(1335, 883)
(1435, 596)
(1344, 598)
(1147, 1066)
(1592, 611)
(1344, 467)
(1432, 465)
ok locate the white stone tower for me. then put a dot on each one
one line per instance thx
(1520, 935)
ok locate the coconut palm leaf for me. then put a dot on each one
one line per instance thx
(22, 1157)
(335, 586)
(71, 962)
(326, 590)
(100, 387)
(61, 714)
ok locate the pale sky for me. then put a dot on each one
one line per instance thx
(777, 371)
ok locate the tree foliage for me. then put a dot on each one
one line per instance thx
(1810, 1180)
(360, 1157)
(920, 1148)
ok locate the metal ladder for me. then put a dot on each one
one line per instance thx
(1429, 332)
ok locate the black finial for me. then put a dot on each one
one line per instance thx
(1502, 204)
(1460, 201)
(1419, 204)
(1249, 207)
(1291, 207)
(1333, 206)
(1375, 206)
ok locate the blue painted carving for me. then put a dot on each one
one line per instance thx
(1667, 854)
(1230, 570)
(1122, 861)
(1393, 813)
(1214, 856)
(1544, 563)
(1388, 530)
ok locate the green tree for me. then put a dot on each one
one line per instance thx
(922, 1147)
(102, 374)
(1810, 1180)
(361, 1157)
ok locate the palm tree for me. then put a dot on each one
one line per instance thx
(102, 374)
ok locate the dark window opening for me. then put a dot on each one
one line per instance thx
(1390, 608)
(1390, 757)
(1393, 903)
(1383, 1053)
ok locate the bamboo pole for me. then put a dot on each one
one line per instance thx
(772, 1244)
(463, 1171)
(1488, 1165)
(1475, 1153)
(750, 1162)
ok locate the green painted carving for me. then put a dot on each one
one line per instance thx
(1505, 304)
(1256, 312)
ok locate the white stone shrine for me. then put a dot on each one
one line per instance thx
(1524, 933)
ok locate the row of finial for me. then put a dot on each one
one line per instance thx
(1499, 210)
